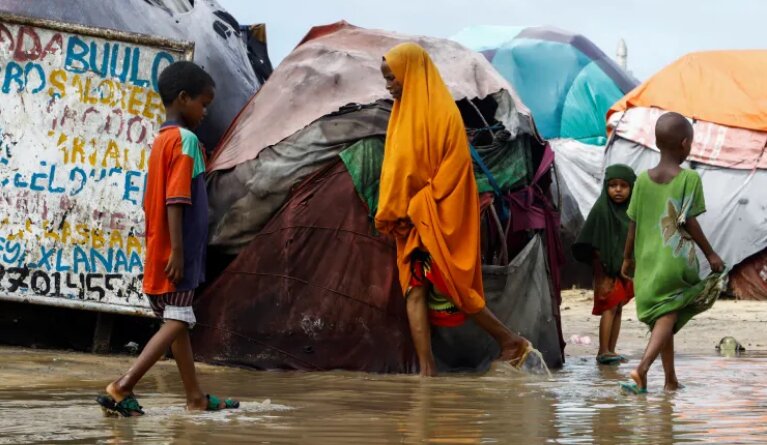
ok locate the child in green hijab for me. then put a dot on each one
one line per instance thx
(601, 244)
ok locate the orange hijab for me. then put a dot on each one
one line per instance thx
(428, 178)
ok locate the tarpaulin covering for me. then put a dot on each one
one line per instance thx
(722, 87)
(578, 182)
(340, 64)
(242, 199)
(316, 290)
(566, 80)
(216, 35)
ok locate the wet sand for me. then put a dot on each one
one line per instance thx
(48, 397)
(744, 320)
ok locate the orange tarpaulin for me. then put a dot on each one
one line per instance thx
(427, 177)
(723, 87)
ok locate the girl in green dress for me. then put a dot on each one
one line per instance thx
(662, 236)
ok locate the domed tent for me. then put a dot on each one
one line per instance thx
(293, 188)
(723, 94)
(569, 85)
(567, 82)
(216, 34)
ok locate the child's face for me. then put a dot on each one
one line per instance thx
(618, 190)
(194, 109)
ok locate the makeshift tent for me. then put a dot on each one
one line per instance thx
(725, 95)
(218, 45)
(569, 85)
(293, 187)
(566, 80)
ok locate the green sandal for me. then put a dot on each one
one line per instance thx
(214, 403)
(633, 388)
(127, 407)
(608, 359)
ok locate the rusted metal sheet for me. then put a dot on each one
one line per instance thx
(78, 110)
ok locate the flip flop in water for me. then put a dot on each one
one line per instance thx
(214, 403)
(127, 407)
(609, 359)
(632, 388)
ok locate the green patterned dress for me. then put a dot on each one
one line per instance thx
(667, 276)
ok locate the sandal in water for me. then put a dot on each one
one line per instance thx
(127, 407)
(214, 403)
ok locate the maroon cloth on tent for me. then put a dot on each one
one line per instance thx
(532, 209)
(315, 290)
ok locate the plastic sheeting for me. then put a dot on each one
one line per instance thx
(578, 183)
(339, 64)
(722, 87)
(244, 198)
(516, 295)
(566, 80)
(218, 46)
(316, 290)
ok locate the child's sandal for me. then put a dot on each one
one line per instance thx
(127, 407)
(214, 403)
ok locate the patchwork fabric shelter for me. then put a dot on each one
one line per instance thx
(724, 94)
(569, 85)
(304, 280)
(219, 49)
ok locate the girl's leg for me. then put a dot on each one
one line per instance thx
(420, 330)
(667, 356)
(616, 328)
(182, 353)
(605, 331)
(661, 333)
(157, 346)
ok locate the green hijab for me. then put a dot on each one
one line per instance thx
(607, 226)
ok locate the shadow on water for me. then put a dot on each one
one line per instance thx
(47, 397)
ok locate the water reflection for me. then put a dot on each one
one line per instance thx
(46, 397)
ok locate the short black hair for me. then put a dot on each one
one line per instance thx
(183, 76)
(671, 129)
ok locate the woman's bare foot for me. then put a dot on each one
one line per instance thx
(639, 379)
(428, 369)
(672, 386)
(514, 350)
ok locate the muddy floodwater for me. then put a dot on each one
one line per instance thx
(48, 397)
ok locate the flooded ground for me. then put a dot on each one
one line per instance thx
(47, 397)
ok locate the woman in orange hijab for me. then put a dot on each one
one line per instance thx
(429, 202)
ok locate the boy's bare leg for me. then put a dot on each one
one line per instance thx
(182, 353)
(661, 333)
(512, 346)
(606, 331)
(667, 356)
(420, 330)
(157, 346)
(616, 328)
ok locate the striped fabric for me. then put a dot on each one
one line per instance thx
(174, 306)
